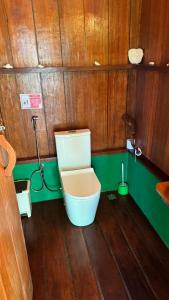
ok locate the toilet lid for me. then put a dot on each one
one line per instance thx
(80, 183)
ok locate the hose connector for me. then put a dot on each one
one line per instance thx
(34, 122)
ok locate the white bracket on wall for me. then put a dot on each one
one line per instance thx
(130, 144)
(2, 128)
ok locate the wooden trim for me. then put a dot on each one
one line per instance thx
(152, 167)
(21, 161)
(157, 68)
(55, 69)
(65, 69)
(109, 152)
(52, 158)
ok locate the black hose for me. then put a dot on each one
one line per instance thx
(31, 179)
(40, 170)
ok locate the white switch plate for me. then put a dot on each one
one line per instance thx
(25, 101)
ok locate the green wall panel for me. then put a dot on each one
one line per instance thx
(142, 188)
(24, 171)
(107, 168)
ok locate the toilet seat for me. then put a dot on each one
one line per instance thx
(80, 183)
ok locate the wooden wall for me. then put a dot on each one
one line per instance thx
(78, 33)
(148, 99)
(66, 33)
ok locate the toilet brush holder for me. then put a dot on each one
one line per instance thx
(123, 189)
(123, 186)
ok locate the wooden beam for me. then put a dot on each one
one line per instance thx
(44, 70)
(66, 69)
(152, 167)
(50, 158)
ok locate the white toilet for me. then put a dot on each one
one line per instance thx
(80, 185)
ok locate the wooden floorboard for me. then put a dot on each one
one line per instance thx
(131, 273)
(107, 273)
(85, 285)
(148, 231)
(48, 255)
(156, 273)
(118, 257)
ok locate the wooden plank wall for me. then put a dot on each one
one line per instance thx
(148, 99)
(66, 33)
(78, 33)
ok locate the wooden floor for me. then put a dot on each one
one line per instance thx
(118, 257)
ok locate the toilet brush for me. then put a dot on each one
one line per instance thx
(123, 186)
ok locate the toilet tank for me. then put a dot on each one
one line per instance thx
(73, 149)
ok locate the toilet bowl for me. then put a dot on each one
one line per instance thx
(81, 195)
(81, 187)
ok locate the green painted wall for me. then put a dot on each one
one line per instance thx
(142, 188)
(107, 168)
(24, 171)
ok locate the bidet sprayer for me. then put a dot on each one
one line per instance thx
(34, 119)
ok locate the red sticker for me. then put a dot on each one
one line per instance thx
(31, 101)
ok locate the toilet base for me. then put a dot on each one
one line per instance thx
(81, 211)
